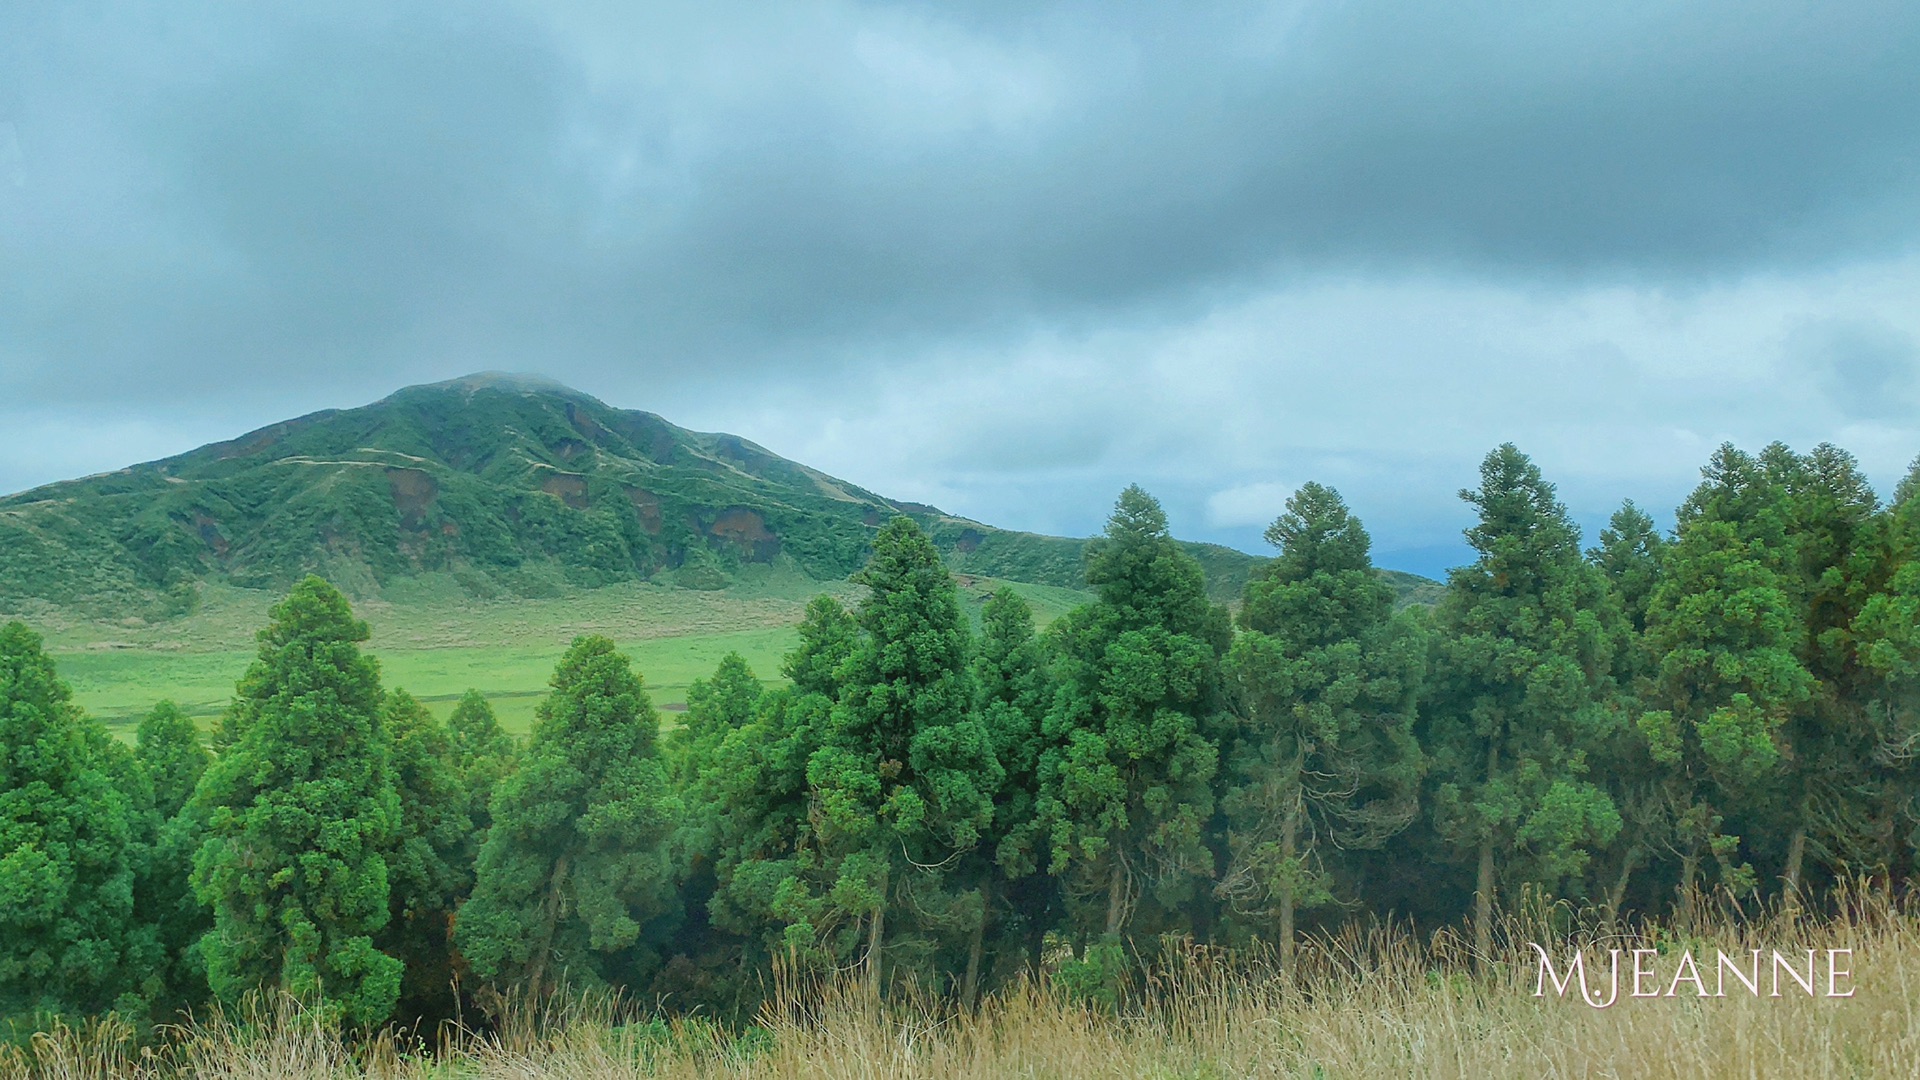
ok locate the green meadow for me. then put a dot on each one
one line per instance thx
(436, 642)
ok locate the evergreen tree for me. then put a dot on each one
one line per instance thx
(66, 885)
(300, 813)
(481, 753)
(573, 881)
(480, 749)
(828, 635)
(167, 746)
(1010, 671)
(1723, 627)
(172, 760)
(425, 872)
(1886, 635)
(1829, 799)
(715, 707)
(1630, 556)
(1126, 779)
(1521, 693)
(1326, 683)
(905, 780)
(770, 888)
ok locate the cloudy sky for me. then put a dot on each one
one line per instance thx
(1000, 257)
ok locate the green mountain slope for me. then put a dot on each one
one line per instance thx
(513, 485)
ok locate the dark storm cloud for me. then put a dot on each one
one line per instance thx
(385, 185)
(1414, 220)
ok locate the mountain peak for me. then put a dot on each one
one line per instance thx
(510, 381)
(507, 483)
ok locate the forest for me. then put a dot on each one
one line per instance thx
(1717, 724)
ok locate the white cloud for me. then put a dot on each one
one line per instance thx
(1248, 504)
(1389, 390)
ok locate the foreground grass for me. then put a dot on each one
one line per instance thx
(1359, 1005)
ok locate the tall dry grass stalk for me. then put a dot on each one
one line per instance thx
(1362, 1002)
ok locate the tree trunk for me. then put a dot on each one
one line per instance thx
(1790, 882)
(876, 939)
(1618, 894)
(1483, 888)
(1483, 911)
(970, 989)
(1116, 891)
(1289, 847)
(550, 922)
(1689, 892)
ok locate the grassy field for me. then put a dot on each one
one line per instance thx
(437, 642)
(1361, 1004)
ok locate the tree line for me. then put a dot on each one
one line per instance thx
(1721, 717)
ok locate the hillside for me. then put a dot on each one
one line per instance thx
(512, 485)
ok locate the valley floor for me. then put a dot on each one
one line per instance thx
(436, 642)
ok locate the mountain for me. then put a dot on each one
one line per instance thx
(512, 484)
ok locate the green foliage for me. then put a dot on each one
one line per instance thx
(1629, 555)
(1010, 670)
(906, 778)
(66, 886)
(1723, 627)
(828, 635)
(1522, 688)
(1099, 978)
(940, 796)
(768, 890)
(429, 867)
(480, 751)
(1834, 517)
(1126, 779)
(1324, 681)
(171, 760)
(715, 708)
(1886, 635)
(573, 882)
(1015, 688)
(168, 749)
(301, 812)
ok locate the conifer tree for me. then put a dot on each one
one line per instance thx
(1630, 556)
(167, 746)
(481, 753)
(301, 813)
(1010, 671)
(1521, 694)
(170, 756)
(574, 872)
(1326, 684)
(1126, 779)
(770, 889)
(1828, 797)
(66, 884)
(906, 777)
(1723, 627)
(715, 707)
(480, 749)
(1886, 635)
(426, 875)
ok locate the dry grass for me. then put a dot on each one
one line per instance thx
(1361, 1004)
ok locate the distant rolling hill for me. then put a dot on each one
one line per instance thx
(512, 485)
